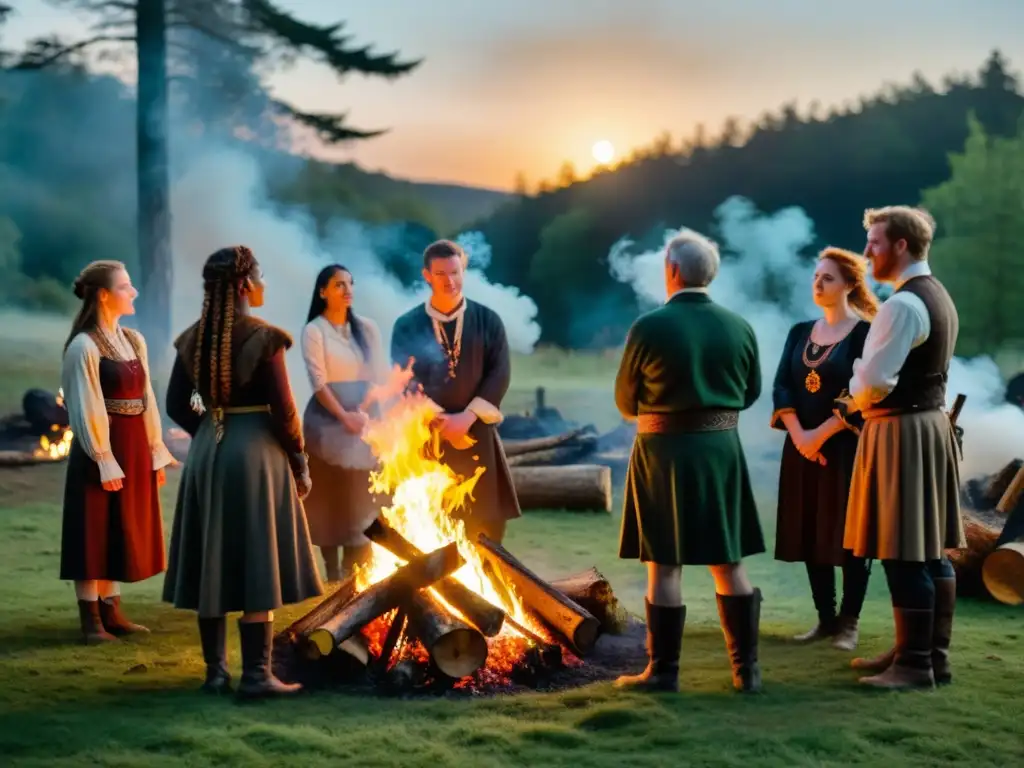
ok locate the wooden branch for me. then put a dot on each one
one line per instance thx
(569, 619)
(384, 596)
(517, 447)
(456, 649)
(487, 618)
(1012, 493)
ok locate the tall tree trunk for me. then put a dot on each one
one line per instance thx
(154, 214)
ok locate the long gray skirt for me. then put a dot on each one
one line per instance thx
(240, 540)
(905, 494)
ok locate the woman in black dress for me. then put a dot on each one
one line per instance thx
(817, 458)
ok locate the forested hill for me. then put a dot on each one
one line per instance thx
(886, 149)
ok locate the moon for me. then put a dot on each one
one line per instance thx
(603, 151)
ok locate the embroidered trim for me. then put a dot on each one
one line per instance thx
(129, 407)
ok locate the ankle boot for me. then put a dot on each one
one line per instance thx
(213, 638)
(93, 632)
(826, 627)
(945, 607)
(847, 634)
(258, 679)
(740, 616)
(115, 621)
(912, 661)
(664, 644)
(878, 663)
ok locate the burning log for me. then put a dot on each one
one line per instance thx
(384, 596)
(577, 625)
(592, 591)
(582, 487)
(487, 618)
(457, 649)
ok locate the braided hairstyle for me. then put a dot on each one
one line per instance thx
(96, 276)
(224, 274)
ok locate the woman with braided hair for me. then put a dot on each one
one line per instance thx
(240, 542)
(112, 529)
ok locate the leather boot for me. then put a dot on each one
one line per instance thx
(330, 555)
(93, 632)
(740, 616)
(878, 663)
(115, 621)
(664, 644)
(213, 637)
(912, 663)
(847, 634)
(826, 627)
(258, 680)
(945, 607)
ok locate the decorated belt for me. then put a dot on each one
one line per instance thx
(710, 420)
(241, 409)
(130, 407)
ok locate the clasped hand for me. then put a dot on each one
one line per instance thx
(809, 443)
(454, 428)
(355, 421)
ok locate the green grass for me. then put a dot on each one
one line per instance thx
(136, 703)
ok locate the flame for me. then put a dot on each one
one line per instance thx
(425, 496)
(55, 449)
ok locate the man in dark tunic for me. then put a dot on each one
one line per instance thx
(688, 369)
(461, 361)
(904, 506)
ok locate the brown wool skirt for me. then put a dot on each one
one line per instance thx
(905, 494)
(340, 506)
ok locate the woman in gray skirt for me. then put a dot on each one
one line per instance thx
(344, 359)
(240, 541)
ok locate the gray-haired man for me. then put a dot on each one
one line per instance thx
(688, 369)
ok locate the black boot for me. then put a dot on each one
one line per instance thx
(740, 616)
(330, 555)
(912, 661)
(257, 640)
(93, 632)
(213, 637)
(942, 632)
(664, 643)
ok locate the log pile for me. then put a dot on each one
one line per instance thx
(421, 629)
(993, 514)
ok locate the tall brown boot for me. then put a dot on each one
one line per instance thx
(740, 616)
(945, 607)
(912, 663)
(115, 621)
(258, 680)
(664, 645)
(93, 632)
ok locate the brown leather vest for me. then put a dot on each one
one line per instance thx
(922, 379)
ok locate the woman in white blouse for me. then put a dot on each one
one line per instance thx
(112, 527)
(344, 358)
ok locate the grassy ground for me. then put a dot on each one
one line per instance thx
(135, 703)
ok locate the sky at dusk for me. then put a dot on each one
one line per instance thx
(522, 87)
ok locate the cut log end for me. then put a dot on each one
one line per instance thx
(1003, 573)
(460, 652)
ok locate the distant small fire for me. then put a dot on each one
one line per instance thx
(55, 446)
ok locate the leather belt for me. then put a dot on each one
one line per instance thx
(710, 420)
(125, 407)
(881, 413)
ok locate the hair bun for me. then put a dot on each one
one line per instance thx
(79, 288)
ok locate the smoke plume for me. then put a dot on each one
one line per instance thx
(764, 278)
(220, 200)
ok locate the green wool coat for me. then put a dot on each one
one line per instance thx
(688, 499)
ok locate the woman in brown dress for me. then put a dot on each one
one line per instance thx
(344, 359)
(240, 541)
(112, 529)
(817, 458)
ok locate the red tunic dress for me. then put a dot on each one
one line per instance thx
(114, 535)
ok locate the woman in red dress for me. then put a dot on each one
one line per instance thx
(112, 529)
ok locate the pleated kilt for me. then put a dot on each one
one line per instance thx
(905, 494)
